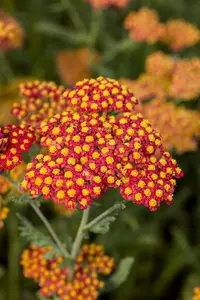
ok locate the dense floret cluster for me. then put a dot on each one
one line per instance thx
(98, 4)
(53, 279)
(14, 140)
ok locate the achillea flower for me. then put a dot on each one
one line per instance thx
(100, 95)
(11, 32)
(144, 26)
(148, 86)
(159, 64)
(88, 153)
(41, 100)
(196, 293)
(179, 34)
(185, 82)
(73, 65)
(14, 140)
(53, 279)
(179, 127)
(98, 4)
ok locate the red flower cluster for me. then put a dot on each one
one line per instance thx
(179, 34)
(98, 4)
(11, 32)
(14, 140)
(87, 154)
(41, 100)
(144, 26)
(100, 95)
(53, 279)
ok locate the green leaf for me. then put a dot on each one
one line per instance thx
(58, 31)
(120, 276)
(103, 226)
(36, 237)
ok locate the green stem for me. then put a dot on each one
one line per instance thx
(110, 210)
(49, 228)
(13, 257)
(6, 71)
(80, 234)
(43, 219)
(78, 23)
(116, 49)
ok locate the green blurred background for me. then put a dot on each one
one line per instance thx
(165, 244)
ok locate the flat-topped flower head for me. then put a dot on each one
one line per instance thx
(99, 4)
(148, 86)
(53, 279)
(41, 100)
(185, 83)
(180, 34)
(144, 26)
(159, 64)
(100, 95)
(11, 32)
(14, 140)
(179, 127)
(89, 153)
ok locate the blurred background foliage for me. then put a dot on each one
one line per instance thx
(165, 244)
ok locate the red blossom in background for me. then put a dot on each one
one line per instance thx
(98, 4)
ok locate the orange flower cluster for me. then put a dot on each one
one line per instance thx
(185, 82)
(41, 100)
(196, 293)
(100, 95)
(179, 34)
(167, 77)
(179, 127)
(73, 65)
(3, 212)
(98, 4)
(144, 26)
(11, 32)
(53, 279)
(148, 86)
(14, 140)
(159, 64)
(88, 153)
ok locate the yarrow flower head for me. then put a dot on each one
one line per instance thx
(196, 295)
(180, 34)
(185, 82)
(159, 64)
(11, 32)
(179, 127)
(41, 100)
(14, 140)
(73, 65)
(100, 95)
(144, 26)
(148, 86)
(98, 4)
(88, 153)
(53, 279)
